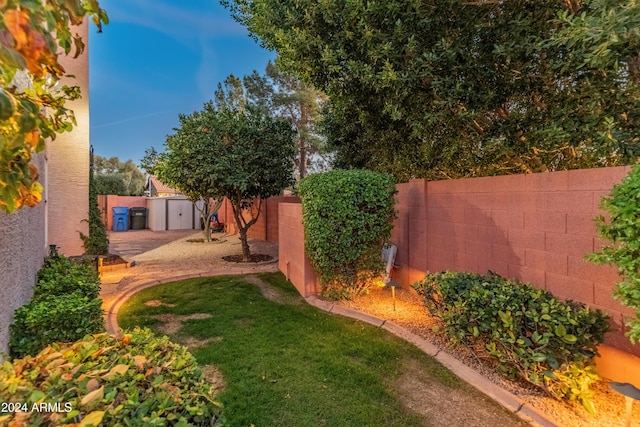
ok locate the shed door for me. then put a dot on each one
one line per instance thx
(180, 215)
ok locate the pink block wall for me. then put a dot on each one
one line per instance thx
(536, 228)
(266, 228)
(107, 202)
(409, 233)
(292, 261)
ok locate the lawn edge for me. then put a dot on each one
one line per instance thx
(503, 397)
(508, 400)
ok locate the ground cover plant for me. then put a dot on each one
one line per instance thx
(65, 307)
(348, 216)
(527, 332)
(138, 379)
(286, 363)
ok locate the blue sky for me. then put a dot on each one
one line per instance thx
(157, 59)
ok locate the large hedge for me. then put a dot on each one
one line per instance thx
(528, 332)
(136, 380)
(348, 217)
(622, 230)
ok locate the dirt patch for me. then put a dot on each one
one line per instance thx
(420, 393)
(267, 291)
(157, 303)
(213, 375)
(253, 258)
(172, 323)
(244, 322)
(193, 343)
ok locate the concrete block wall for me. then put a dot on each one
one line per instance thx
(409, 233)
(107, 202)
(266, 228)
(292, 260)
(536, 228)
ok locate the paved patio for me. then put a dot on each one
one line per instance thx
(164, 256)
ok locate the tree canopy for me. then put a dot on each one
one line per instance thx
(289, 97)
(281, 94)
(32, 104)
(113, 176)
(244, 155)
(453, 88)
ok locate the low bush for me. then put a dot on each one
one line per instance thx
(528, 332)
(59, 276)
(348, 216)
(57, 318)
(135, 380)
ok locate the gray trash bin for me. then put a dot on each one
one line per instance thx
(138, 218)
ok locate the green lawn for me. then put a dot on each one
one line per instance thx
(288, 363)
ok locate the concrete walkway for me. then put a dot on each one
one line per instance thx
(119, 285)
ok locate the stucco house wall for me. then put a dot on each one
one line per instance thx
(64, 174)
(68, 165)
(22, 250)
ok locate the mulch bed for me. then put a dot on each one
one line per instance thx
(202, 240)
(253, 258)
(107, 260)
(112, 259)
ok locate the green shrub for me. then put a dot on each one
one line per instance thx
(527, 331)
(64, 318)
(59, 276)
(96, 242)
(102, 380)
(623, 231)
(347, 216)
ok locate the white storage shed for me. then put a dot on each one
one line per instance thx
(172, 213)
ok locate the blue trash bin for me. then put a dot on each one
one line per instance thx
(120, 218)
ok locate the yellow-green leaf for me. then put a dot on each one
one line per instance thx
(93, 397)
(118, 369)
(92, 419)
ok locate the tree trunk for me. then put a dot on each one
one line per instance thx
(243, 225)
(246, 252)
(302, 167)
(207, 229)
(206, 213)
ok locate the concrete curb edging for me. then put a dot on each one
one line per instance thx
(508, 400)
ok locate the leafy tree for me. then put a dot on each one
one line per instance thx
(110, 184)
(127, 172)
(149, 160)
(186, 165)
(32, 105)
(231, 95)
(285, 95)
(244, 155)
(452, 88)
